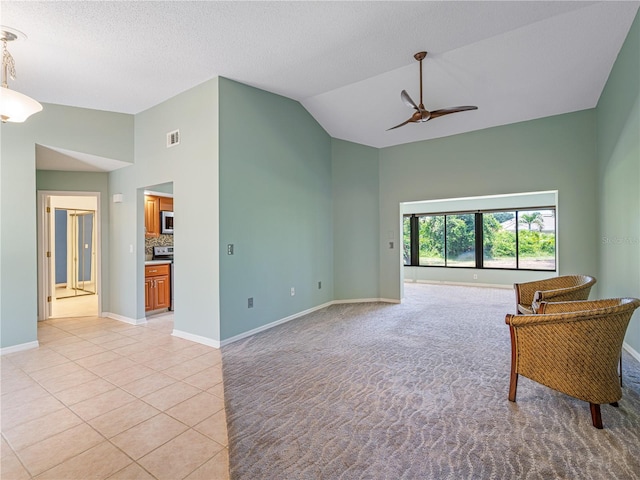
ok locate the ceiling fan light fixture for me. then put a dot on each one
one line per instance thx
(14, 106)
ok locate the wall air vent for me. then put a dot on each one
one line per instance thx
(173, 138)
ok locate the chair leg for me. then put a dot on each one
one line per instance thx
(620, 370)
(513, 385)
(596, 418)
(513, 380)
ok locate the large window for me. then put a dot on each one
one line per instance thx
(460, 240)
(512, 239)
(431, 240)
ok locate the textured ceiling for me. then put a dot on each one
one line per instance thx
(346, 62)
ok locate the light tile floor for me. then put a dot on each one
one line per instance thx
(102, 399)
(78, 306)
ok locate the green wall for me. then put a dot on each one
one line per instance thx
(618, 136)
(355, 220)
(99, 133)
(192, 166)
(56, 180)
(554, 153)
(275, 208)
(256, 170)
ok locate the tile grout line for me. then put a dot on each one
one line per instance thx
(69, 334)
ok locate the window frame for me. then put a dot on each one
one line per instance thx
(479, 237)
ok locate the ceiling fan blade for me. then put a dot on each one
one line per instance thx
(407, 100)
(403, 123)
(447, 111)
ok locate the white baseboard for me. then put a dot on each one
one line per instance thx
(122, 318)
(19, 348)
(302, 314)
(389, 300)
(462, 284)
(364, 300)
(209, 342)
(634, 353)
(273, 324)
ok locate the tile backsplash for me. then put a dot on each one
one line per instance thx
(161, 241)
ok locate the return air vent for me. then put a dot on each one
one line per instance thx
(173, 138)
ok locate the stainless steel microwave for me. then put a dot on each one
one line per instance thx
(166, 222)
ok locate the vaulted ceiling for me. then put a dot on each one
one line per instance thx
(346, 62)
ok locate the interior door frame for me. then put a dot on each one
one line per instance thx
(45, 274)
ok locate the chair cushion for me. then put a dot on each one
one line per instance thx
(525, 310)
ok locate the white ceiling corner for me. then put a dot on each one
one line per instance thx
(346, 62)
(54, 158)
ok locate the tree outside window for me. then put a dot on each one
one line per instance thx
(508, 239)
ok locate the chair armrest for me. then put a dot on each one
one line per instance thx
(578, 292)
(576, 306)
(547, 318)
(525, 291)
(599, 309)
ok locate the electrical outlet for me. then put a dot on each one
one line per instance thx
(293, 291)
(319, 285)
(475, 276)
(230, 249)
(250, 302)
(390, 244)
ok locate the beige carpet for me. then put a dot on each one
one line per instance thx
(413, 391)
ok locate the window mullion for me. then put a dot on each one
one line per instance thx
(517, 240)
(415, 241)
(479, 240)
(445, 241)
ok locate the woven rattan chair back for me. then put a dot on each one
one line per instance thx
(557, 289)
(573, 352)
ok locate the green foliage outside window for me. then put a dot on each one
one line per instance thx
(503, 244)
(431, 240)
(535, 248)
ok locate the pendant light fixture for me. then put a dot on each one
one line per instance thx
(14, 106)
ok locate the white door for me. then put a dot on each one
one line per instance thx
(49, 277)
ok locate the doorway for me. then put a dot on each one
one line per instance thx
(68, 254)
(159, 249)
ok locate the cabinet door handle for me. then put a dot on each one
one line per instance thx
(153, 271)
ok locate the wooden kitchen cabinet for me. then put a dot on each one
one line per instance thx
(151, 216)
(157, 287)
(148, 293)
(166, 204)
(152, 207)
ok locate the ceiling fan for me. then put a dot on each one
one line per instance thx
(421, 114)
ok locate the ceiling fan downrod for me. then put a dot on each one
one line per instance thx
(420, 56)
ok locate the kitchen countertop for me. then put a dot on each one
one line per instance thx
(157, 262)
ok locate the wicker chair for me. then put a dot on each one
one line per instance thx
(556, 289)
(573, 352)
(577, 306)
